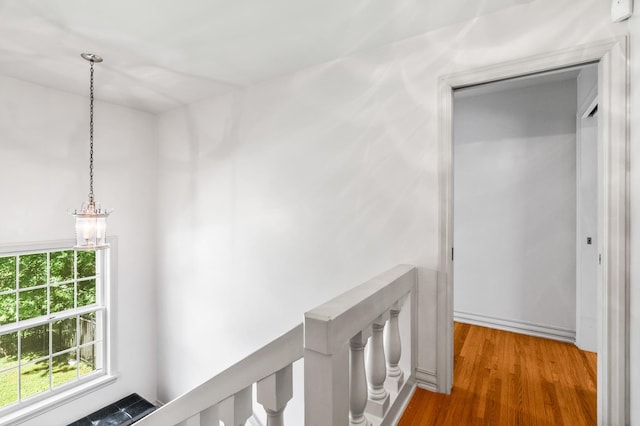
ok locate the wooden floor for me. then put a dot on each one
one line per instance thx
(503, 378)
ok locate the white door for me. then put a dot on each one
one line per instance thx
(587, 235)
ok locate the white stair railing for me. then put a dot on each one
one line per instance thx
(335, 334)
(228, 396)
(340, 387)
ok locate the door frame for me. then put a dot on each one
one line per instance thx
(613, 93)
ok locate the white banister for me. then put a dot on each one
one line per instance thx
(358, 393)
(274, 392)
(273, 357)
(329, 330)
(377, 371)
(340, 389)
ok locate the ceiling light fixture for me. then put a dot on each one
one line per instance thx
(91, 219)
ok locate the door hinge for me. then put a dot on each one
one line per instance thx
(599, 259)
(452, 254)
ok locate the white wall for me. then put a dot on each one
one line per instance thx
(275, 198)
(634, 238)
(515, 205)
(44, 172)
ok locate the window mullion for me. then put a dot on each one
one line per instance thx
(50, 357)
(99, 274)
(48, 316)
(75, 305)
(75, 279)
(17, 288)
(19, 360)
(34, 322)
(77, 347)
(48, 283)
(19, 366)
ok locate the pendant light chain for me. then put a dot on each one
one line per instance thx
(91, 136)
(91, 218)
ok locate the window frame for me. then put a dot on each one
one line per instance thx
(105, 268)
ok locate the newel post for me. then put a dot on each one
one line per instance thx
(326, 378)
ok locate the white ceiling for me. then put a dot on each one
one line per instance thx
(163, 53)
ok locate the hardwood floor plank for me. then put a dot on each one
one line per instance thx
(504, 378)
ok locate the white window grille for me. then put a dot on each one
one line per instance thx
(53, 322)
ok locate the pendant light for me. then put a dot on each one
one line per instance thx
(91, 219)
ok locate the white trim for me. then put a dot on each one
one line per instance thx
(426, 379)
(444, 319)
(613, 91)
(414, 322)
(54, 401)
(110, 294)
(517, 326)
(613, 80)
(400, 403)
(36, 247)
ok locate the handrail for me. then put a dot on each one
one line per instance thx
(272, 357)
(330, 325)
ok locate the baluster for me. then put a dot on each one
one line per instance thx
(358, 394)
(191, 421)
(210, 416)
(236, 410)
(377, 370)
(274, 392)
(393, 350)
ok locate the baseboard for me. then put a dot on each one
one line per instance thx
(426, 379)
(392, 417)
(522, 327)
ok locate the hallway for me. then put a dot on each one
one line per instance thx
(504, 378)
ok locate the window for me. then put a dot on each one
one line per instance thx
(53, 324)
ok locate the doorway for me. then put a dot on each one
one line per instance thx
(515, 212)
(613, 395)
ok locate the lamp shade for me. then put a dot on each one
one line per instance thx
(91, 227)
